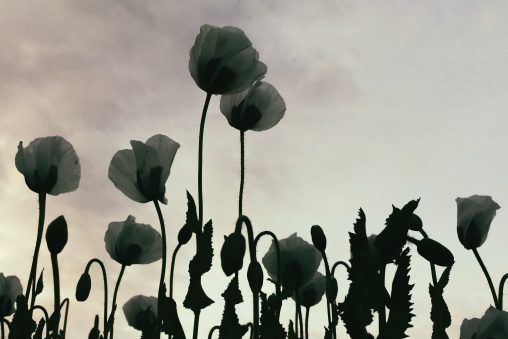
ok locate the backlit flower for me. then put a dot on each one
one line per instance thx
(223, 61)
(49, 165)
(299, 261)
(141, 312)
(10, 288)
(311, 293)
(258, 108)
(493, 325)
(128, 242)
(141, 173)
(474, 216)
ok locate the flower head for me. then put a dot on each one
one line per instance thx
(49, 165)
(223, 61)
(141, 173)
(10, 288)
(128, 242)
(141, 312)
(493, 325)
(474, 216)
(299, 261)
(311, 293)
(258, 108)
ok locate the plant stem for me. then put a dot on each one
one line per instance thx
(200, 157)
(382, 310)
(56, 284)
(40, 229)
(171, 274)
(432, 266)
(46, 316)
(277, 252)
(161, 292)
(487, 275)
(113, 305)
(328, 279)
(307, 311)
(242, 172)
(501, 288)
(299, 311)
(196, 325)
(105, 279)
(213, 330)
(66, 302)
(338, 263)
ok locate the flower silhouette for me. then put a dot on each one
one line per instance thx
(474, 216)
(223, 61)
(141, 173)
(49, 165)
(10, 288)
(128, 242)
(141, 312)
(311, 293)
(299, 261)
(258, 108)
(493, 325)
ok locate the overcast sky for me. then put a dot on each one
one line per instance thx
(387, 101)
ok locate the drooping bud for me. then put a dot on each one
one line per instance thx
(332, 289)
(232, 253)
(185, 234)
(415, 223)
(435, 253)
(83, 287)
(318, 237)
(255, 276)
(56, 235)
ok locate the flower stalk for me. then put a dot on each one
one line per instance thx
(30, 287)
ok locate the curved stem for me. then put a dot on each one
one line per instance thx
(40, 229)
(113, 305)
(46, 316)
(200, 157)
(432, 266)
(277, 251)
(242, 172)
(487, 275)
(307, 311)
(340, 263)
(328, 279)
(212, 330)
(171, 274)
(501, 288)
(164, 255)
(105, 279)
(66, 302)
(56, 284)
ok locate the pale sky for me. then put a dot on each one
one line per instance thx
(387, 101)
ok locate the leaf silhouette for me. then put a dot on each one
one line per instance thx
(22, 325)
(171, 324)
(40, 329)
(40, 284)
(192, 215)
(270, 326)
(206, 248)
(400, 316)
(230, 327)
(291, 331)
(439, 313)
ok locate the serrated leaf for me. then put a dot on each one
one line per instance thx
(400, 316)
(40, 284)
(171, 324)
(192, 215)
(230, 327)
(439, 314)
(206, 248)
(270, 326)
(445, 277)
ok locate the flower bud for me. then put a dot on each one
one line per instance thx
(318, 237)
(56, 235)
(332, 289)
(232, 253)
(255, 276)
(415, 223)
(435, 253)
(185, 234)
(83, 287)
(474, 216)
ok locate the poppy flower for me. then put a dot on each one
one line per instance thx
(49, 165)
(474, 216)
(128, 242)
(141, 173)
(258, 108)
(299, 261)
(493, 325)
(223, 61)
(311, 293)
(141, 312)
(10, 288)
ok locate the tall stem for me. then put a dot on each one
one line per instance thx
(307, 311)
(487, 275)
(382, 310)
(56, 284)
(200, 157)
(171, 274)
(242, 173)
(105, 279)
(277, 252)
(113, 305)
(164, 250)
(299, 311)
(40, 229)
(196, 324)
(501, 288)
(328, 280)
(66, 302)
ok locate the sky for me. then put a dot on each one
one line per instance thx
(386, 102)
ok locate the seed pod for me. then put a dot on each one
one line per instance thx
(232, 253)
(56, 235)
(435, 253)
(318, 237)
